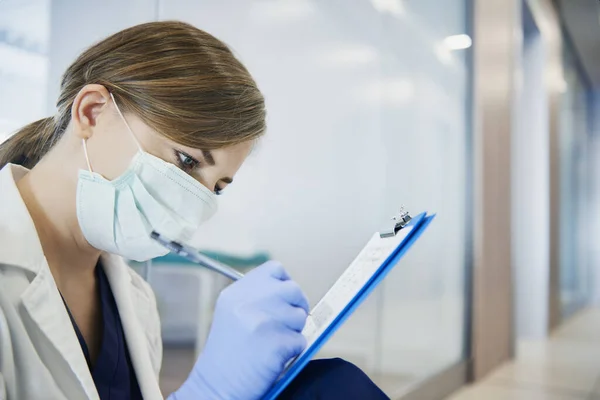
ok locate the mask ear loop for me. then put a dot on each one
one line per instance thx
(85, 152)
(126, 123)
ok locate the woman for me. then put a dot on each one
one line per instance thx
(152, 124)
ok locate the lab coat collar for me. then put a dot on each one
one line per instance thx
(44, 304)
(20, 245)
(42, 301)
(21, 248)
(134, 307)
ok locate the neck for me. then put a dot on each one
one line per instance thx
(49, 192)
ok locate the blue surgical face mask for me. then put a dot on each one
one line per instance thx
(117, 216)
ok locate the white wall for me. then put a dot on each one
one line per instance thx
(76, 25)
(24, 32)
(367, 111)
(531, 189)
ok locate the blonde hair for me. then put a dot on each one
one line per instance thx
(180, 80)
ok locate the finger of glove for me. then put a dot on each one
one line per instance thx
(287, 316)
(291, 293)
(295, 343)
(275, 270)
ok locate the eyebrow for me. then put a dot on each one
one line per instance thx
(208, 157)
(210, 160)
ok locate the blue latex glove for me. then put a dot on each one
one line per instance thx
(256, 330)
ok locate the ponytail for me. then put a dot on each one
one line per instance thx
(29, 144)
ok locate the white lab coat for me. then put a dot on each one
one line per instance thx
(40, 356)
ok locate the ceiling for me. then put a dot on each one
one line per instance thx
(582, 21)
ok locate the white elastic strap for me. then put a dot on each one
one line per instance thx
(126, 123)
(87, 157)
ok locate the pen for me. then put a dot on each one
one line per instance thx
(195, 256)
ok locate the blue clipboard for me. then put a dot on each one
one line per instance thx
(417, 226)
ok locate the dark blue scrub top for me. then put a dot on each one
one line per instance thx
(113, 372)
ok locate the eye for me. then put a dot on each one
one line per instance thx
(186, 162)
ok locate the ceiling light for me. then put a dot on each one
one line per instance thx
(458, 42)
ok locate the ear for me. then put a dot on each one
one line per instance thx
(89, 103)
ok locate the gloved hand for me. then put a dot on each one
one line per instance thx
(256, 330)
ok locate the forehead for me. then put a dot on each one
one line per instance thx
(233, 156)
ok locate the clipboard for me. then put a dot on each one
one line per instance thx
(368, 269)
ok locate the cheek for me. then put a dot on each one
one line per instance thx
(110, 153)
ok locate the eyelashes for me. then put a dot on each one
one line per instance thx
(189, 164)
(186, 162)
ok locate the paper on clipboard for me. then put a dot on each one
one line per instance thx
(352, 287)
(350, 283)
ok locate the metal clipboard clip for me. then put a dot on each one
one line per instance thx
(398, 222)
